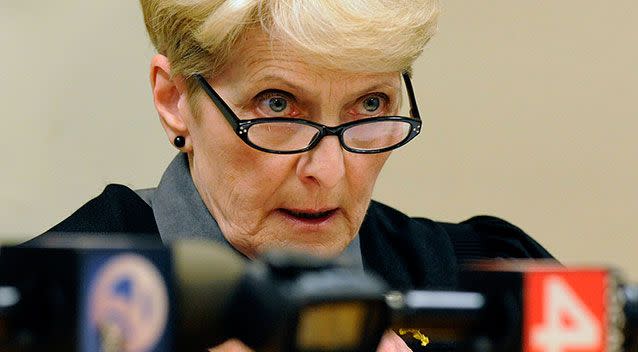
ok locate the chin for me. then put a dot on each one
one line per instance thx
(322, 249)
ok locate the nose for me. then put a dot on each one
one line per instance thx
(324, 164)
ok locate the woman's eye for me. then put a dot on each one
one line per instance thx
(371, 104)
(277, 104)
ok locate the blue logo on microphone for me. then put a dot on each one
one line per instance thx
(128, 304)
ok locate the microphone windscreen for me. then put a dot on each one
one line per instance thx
(206, 276)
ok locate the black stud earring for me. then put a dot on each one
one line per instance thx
(179, 141)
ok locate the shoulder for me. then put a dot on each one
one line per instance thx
(480, 237)
(405, 252)
(118, 209)
(485, 237)
(429, 252)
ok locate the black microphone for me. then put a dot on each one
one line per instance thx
(284, 301)
(87, 293)
(83, 293)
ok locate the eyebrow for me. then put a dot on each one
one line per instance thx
(377, 87)
(270, 78)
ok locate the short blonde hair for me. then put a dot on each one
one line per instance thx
(198, 36)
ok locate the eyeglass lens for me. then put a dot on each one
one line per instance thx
(289, 136)
(281, 136)
(376, 135)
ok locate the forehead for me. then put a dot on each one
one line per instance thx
(258, 57)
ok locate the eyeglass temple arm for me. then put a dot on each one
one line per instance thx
(219, 102)
(414, 110)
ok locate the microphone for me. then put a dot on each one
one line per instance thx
(283, 302)
(82, 293)
(525, 306)
(88, 294)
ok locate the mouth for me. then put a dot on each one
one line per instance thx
(309, 216)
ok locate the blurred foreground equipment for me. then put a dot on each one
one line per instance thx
(526, 306)
(117, 295)
(92, 295)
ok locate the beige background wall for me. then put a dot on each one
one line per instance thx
(531, 114)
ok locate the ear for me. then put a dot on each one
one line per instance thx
(169, 96)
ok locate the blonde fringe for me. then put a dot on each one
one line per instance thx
(198, 36)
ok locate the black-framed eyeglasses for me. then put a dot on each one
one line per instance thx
(286, 135)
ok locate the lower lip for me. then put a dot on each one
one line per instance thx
(314, 222)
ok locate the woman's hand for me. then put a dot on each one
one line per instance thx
(232, 345)
(391, 342)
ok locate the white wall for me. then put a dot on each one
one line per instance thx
(530, 112)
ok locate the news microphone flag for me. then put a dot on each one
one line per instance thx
(562, 309)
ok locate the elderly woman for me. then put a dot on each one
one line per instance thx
(284, 113)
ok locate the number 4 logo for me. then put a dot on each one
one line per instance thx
(564, 312)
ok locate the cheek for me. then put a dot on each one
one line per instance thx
(363, 172)
(255, 180)
(362, 175)
(239, 182)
